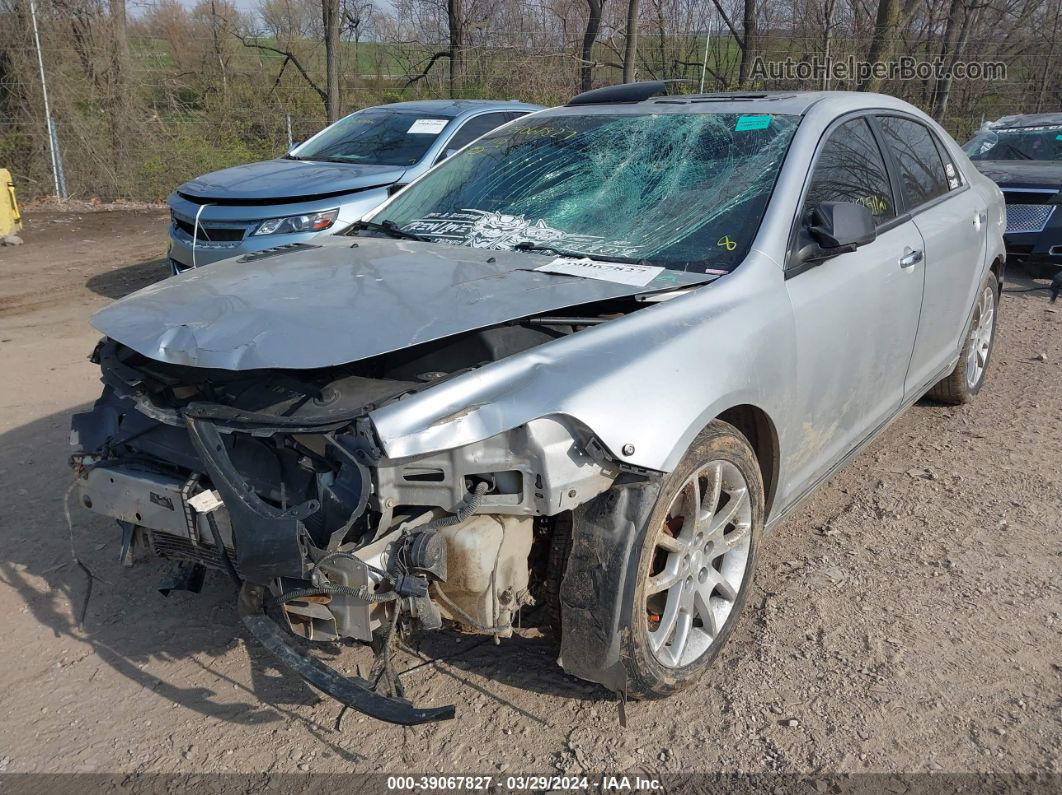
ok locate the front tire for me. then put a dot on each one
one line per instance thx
(695, 564)
(966, 380)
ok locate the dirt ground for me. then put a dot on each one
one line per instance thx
(906, 620)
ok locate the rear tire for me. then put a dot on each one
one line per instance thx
(969, 375)
(695, 565)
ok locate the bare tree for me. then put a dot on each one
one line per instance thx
(750, 22)
(956, 38)
(332, 22)
(747, 38)
(119, 99)
(891, 14)
(593, 27)
(630, 43)
(215, 40)
(170, 74)
(456, 22)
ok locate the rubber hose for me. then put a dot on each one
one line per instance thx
(465, 510)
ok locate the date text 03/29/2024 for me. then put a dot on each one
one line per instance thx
(614, 783)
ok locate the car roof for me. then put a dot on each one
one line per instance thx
(1028, 120)
(458, 107)
(795, 103)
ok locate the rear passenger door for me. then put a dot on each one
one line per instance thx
(856, 314)
(952, 220)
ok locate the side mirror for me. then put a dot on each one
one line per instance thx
(837, 228)
(395, 187)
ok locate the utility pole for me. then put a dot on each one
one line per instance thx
(704, 63)
(827, 41)
(47, 108)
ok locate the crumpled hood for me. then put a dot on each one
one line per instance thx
(1022, 173)
(334, 304)
(289, 179)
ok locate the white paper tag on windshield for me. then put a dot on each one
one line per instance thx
(427, 126)
(205, 501)
(620, 272)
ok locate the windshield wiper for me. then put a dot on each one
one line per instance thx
(527, 245)
(389, 228)
(1021, 155)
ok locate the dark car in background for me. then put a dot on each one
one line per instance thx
(1023, 155)
(325, 184)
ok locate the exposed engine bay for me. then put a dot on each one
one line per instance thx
(276, 478)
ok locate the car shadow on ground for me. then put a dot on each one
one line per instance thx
(127, 279)
(136, 631)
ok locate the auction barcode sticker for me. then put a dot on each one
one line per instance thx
(427, 126)
(620, 272)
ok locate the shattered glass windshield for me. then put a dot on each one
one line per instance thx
(683, 190)
(376, 136)
(1017, 143)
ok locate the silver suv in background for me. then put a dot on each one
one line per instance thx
(324, 185)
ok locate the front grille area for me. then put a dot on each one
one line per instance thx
(1028, 217)
(211, 234)
(174, 547)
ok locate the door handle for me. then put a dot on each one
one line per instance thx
(910, 258)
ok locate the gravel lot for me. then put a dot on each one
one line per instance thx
(906, 620)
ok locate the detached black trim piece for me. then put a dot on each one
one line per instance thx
(266, 538)
(354, 692)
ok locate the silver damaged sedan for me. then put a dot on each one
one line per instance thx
(572, 375)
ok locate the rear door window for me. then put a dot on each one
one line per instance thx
(922, 172)
(850, 168)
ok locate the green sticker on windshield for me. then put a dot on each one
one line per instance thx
(745, 123)
(1058, 137)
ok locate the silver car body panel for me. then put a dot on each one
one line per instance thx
(344, 300)
(823, 354)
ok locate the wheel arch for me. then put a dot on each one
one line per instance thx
(759, 430)
(997, 267)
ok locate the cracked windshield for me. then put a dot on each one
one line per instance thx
(685, 191)
(1017, 143)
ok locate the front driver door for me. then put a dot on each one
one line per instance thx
(855, 315)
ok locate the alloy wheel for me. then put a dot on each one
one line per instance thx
(981, 337)
(699, 563)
